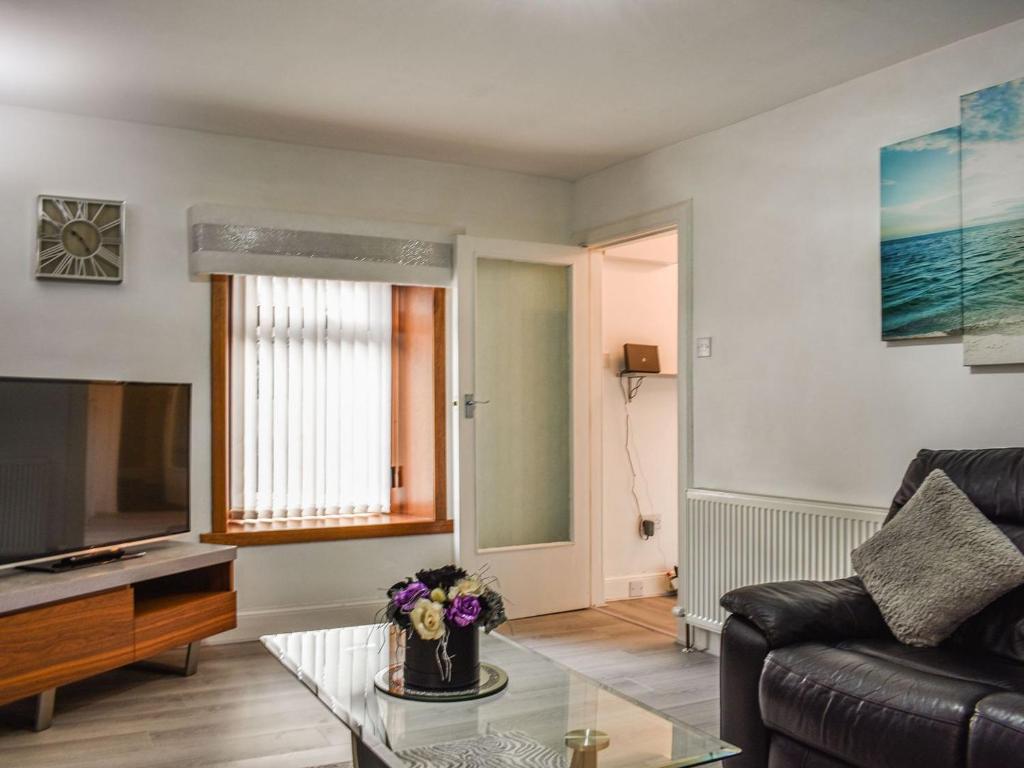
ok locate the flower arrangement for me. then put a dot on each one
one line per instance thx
(435, 600)
(439, 611)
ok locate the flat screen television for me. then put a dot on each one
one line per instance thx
(90, 465)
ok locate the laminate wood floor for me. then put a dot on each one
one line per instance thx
(641, 663)
(654, 613)
(242, 709)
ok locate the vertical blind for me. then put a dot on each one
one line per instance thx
(311, 397)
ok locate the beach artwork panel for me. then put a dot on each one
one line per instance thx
(992, 122)
(921, 248)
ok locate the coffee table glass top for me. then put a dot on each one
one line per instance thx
(530, 723)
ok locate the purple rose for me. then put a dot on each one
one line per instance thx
(464, 610)
(406, 597)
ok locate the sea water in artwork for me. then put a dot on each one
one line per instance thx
(993, 221)
(921, 247)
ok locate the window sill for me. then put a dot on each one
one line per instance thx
(299, 531)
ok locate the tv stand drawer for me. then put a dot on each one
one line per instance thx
(168, 620)
(62, 642)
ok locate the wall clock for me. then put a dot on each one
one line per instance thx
(80, 239)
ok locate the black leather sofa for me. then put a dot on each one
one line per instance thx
(812, 678)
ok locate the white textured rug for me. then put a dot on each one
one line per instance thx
(512, 749)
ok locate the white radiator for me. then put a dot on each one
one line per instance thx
(733, 539)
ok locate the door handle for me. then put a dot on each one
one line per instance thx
(470, 404)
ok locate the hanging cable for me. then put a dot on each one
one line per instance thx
(630, 386)
(629, 390)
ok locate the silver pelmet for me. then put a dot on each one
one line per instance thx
(240, 238)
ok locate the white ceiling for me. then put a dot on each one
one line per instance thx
(558, 88)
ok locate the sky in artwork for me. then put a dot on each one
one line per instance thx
(993, 154)
(921, 185)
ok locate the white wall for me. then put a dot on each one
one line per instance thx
(156, 325)
(638, 305)
(801, 398)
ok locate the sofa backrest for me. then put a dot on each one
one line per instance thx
(993, 479)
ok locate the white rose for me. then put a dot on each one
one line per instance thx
(467, 586)
(427, 619)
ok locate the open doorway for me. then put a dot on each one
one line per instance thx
(639, 456)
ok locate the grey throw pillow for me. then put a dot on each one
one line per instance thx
(937, 563)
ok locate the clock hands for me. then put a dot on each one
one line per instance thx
(80, 238)
(85, 234)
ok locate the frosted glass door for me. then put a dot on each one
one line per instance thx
(522, 451)
(524, 434)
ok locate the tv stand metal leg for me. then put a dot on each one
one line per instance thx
(43, 716)
(187, 669)
(191, 659)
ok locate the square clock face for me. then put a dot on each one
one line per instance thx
(80, 239)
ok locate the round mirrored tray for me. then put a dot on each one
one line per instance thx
(492, 680)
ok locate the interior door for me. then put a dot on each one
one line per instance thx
(523, 421)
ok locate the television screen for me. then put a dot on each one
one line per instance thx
(87, 464)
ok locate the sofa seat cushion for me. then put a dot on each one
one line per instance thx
(984, 668)
(868, 711)
(997, 732)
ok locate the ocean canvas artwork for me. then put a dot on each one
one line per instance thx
(921, 248)
(992, 123)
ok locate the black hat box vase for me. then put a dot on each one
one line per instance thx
(424, 673)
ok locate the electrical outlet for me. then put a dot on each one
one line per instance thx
(636, 589)
(704, 346)
(657, 521)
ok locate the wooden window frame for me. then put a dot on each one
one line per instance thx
(425, 514)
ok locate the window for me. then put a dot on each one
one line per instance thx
(328, 407)
(310, 398)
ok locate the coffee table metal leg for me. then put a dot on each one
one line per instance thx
(43, 717)
(363, 757)
(585, 743)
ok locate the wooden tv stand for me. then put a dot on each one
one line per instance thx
(56, 628)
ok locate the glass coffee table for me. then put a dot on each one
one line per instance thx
(547, 717)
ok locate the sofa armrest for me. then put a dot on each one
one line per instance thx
(744, 649)
(789, 612)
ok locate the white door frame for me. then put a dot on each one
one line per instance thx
(679, 217)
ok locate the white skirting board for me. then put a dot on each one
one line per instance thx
(253, 624)
(651, 584)
(733, 539)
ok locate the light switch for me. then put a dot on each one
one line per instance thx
(704, 346)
